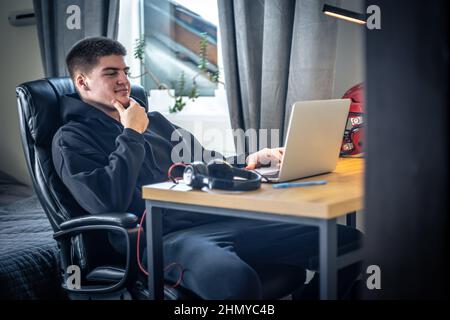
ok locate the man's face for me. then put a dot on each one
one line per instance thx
(107, 81)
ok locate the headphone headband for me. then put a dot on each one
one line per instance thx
(219, 174)
(250, 181)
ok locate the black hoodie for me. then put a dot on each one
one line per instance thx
(105, 165)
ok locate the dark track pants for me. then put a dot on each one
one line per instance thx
(217, 257)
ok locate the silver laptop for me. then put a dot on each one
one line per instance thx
(313, 140)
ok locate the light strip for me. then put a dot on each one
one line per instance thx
(344, 17)
(344, 14)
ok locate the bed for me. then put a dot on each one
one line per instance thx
(28, 252)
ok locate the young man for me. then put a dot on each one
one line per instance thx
(108, 147)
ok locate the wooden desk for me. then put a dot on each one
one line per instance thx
(316, 205)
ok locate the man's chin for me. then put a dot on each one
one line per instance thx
(125, 101)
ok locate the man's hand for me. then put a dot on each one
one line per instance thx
(133, 117)
(264, 157)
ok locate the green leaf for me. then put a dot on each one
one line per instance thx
(178, 106)
(193, 93)
(203, 63)
(181, 83)
(214, 76)
(139, 49)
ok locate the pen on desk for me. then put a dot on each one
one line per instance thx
(299, 184)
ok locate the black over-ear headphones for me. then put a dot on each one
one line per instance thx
(218, 174)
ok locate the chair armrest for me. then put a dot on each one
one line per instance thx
(124, 220)
(125, 223)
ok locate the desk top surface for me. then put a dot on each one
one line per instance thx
(343, 193)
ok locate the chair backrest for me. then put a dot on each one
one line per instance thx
(39, 115)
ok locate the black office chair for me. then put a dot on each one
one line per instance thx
(82, 237)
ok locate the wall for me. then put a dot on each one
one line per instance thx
(407, 187)
(20, 61)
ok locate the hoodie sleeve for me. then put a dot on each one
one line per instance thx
(98, 182)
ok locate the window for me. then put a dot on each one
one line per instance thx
(180, 38)
(173, 31)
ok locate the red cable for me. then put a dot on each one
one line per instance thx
(139, 258)
(139, 244)
(180, 278)
(169, 172)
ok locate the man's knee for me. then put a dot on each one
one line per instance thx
(233, 279)
(211, 270)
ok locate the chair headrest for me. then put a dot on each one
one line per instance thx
(42, 100)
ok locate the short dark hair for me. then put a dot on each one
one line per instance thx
(85, 53)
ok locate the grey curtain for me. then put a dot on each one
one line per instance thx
(55, 20)
(275, 52)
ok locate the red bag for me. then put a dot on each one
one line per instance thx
(353, 142)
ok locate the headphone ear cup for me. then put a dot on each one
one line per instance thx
(221, 175)
(194, 175)
(219, 169)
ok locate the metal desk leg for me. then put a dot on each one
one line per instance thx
(154, 252)
(351, 219)
(328, 259)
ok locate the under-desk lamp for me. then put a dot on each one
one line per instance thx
(344, 14)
